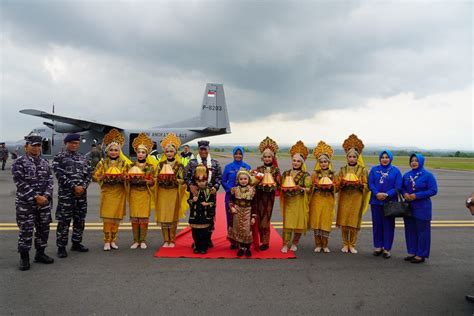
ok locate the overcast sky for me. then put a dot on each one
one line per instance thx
(395, 73)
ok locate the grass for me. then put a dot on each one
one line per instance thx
(451, 163)
(430, 162)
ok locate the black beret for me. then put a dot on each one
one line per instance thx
(72, 137)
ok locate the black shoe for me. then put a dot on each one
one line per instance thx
(196, 251)
(203, 252)
(24, 260)
(41, 257)
(79, 247)
(264, 247)
(470, 298)
(233, 247)
(62, 253)
(248, 253)
(377, 252)
(210, 244)
(240, 253)
(386, 255)
(414, 260)
(408, 258)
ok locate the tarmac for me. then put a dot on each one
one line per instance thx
(134, 282)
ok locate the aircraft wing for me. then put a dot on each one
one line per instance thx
(83, 124)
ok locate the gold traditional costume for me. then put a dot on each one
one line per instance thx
(322, 201)
(266, 189)
(353, 195)
(293, 200)
(110, 174)
(140, 182)
(171, 195)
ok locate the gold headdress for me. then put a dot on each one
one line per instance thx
(353, 142)
(323, 149)
(242, 171)
(268, 143)
(201, 172)
(142, 141)
(171, 139)
(114, 136)
(299, 148)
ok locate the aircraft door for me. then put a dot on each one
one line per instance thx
(46, 146)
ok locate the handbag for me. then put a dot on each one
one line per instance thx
(399, 208)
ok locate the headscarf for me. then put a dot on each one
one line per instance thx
(390, 156)
(421, 161)
(317, 167)
(303, 162)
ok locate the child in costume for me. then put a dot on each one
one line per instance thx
(294, 201)
(110, 173)
(322, 202)
(202, 211)
(243, 215)
(140, 181)
(353, 195)
(268, 179)
(171, 195)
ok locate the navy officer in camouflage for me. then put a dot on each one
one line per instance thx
(34, 197)
(73, 171)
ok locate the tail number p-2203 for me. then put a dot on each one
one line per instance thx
(212, 107)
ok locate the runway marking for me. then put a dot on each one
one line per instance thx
(97, 226)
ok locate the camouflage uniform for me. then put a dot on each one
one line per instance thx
(32, 177)
(71, 169)
(3, 156)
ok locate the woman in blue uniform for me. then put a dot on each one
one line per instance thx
(418, 186)
(384, 182)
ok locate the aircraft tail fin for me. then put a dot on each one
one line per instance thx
(214, 116)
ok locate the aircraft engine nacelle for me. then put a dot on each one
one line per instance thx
(64, 127)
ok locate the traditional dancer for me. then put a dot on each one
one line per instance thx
(294, 199)
(140, 181)
(322, 202)
(353, 195)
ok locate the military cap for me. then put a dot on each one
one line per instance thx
(203, 144)
(33, 139)
(72, 137)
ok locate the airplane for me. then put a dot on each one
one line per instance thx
(213, 120)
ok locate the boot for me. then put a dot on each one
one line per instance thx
(41, 257)
(76, 246)
(24, 260)
(62, 253)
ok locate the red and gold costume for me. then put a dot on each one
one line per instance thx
(268, 182)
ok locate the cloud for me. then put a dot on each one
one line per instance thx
(293, 59)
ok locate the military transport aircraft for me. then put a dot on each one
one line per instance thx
(213, 120)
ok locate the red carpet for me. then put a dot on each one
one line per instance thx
(221, 250)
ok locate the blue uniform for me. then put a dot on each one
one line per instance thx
(423, 184)
(71, 169)
(383, 179)
(32, 177)
(229, 179)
